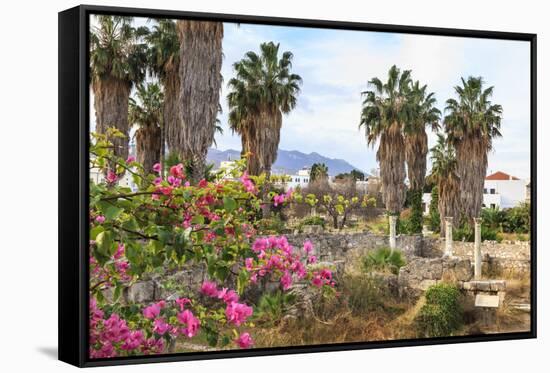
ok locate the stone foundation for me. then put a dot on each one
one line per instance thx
(425, 264)
(421, 273)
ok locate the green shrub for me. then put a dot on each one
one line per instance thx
(383, 259)
(272, 225)
(416, 218)
(442, 314)
(312, 220)
(434, 218)
(518, 219)
(467, 233)
(272, 307)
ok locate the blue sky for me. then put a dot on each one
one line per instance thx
(335, 66)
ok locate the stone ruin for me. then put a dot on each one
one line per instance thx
(429, 261)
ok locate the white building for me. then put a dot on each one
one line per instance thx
(300, 179)
(500, 191)
(96, 176)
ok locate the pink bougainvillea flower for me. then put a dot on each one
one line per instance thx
(316, 281)
(166, 190)
(116, 329)
(174, 181)
(312, 259)
(161, 327)
(308, 246)
(247, 183)
(203, 183)
(228, 296)
(134, 340)
(259, 245)
(119, 251)
(326, 274)
(209, 288)
(131, 159)
(100, 219)
(286, 281)
(111, 177)
(151, 312)
(237, 313)
(157, 167)
(182, 302)
(244, 340)
(278, 200)
(248, 263)
(186, 317)
(177, 171)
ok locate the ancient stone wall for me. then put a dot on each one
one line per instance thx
(504, 258)
(425, 264)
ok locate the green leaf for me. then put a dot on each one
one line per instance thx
(104, 241)
(130, 224)
(229, 204)
(212, 338)
(242, 281)
(113, 212)
(95, 231)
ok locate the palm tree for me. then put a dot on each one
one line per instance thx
(163, 61)
(262, 90)
(200, 62)
(118, 62)
(146, 113)
(444, 174)
(386, 110)
(472, 123)
(424, 113)
(318, 174)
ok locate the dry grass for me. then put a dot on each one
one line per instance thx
(363, 311)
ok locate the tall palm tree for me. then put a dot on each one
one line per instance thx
(262, 90)
(163, 61)
(318, 174)
(444, 174)
(386, 110)
(472, 123)
(118, 62)
(424, 114)
(146, 112)
(200, 63)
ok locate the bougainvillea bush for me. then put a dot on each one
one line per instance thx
(169, 224)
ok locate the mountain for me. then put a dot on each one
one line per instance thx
(288, 162)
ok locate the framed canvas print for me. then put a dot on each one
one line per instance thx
(235, 186)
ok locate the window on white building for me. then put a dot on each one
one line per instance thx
(492, 191)
(493, 205)
(484, 190)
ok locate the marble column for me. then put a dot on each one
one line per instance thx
(477, 249)
(448, 236)
(393, 232)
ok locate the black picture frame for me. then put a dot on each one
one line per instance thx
(74, 178)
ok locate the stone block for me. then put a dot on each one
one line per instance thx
(141, 292)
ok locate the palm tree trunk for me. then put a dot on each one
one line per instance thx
(449, 202)
(111, 106)
(416, 151)
(162, 148)
(391, 157)
(148, 146)
(170, 113)
(471, 154)
(199, 91)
